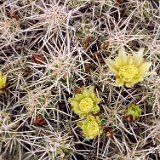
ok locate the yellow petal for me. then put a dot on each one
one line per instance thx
(140, 53)
(74, 103)
(138, 58)
(93, 96)
(4, 79)
(129, 85)
(82, 115)
(144, 68)
(119, 82)
(137, 80)
(79, 97)
(71, 99)
(86, 93)
(75, 106)
(118, 63)
(98, 100)
(130, 60)
(111, 66)
(91, 89)
(96, 109)
(122, 55)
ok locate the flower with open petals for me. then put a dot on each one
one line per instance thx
(128, 69)
(91, 127)
(3, 79)
(85, 103)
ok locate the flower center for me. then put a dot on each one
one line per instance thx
(128, 73)
(86, 104)
(92, 128)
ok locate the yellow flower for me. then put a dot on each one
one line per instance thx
(91, 127)
(128, 69)
(3, 79)
(85, 103)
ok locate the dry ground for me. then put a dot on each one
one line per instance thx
(49, 49)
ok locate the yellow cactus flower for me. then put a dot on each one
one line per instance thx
(128, 69)
(91, 127)
(85, 103)
(3, 79)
